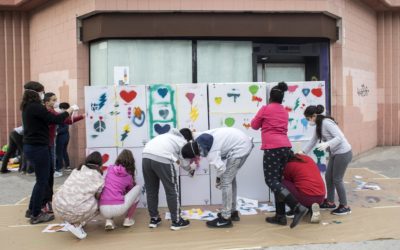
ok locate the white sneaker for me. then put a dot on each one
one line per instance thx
(316, 215)
(58, 174)
(68, 169)
(109, 225)
(128, 222)
(77, 231)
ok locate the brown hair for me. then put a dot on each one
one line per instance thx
(295, 157)
(31, 94)
(93, 161)
(125, 159)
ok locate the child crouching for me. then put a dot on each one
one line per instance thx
(76, 202)
(120, 195)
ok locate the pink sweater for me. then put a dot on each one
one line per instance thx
(273, 120)
(118, 182)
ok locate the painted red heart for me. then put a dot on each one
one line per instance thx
(317, 92)
(128, 96)
(105, 158)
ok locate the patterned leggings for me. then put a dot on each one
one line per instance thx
(274, 162)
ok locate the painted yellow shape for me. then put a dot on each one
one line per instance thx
(194, 114)
(218, 100)
(126, 128)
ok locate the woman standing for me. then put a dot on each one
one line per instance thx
(36, 120)
(273, 120)
(330, 137)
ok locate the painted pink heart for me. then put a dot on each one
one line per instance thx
(128, 96)
(190, 97)
(292, 88)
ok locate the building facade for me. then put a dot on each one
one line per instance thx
(353, 45)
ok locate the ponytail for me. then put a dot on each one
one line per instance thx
(317, 110)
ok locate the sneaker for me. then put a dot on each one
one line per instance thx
(290, 214)
(58, 174)
(234, 215)
(42, 217)
(181, 223)
(326, 205)
(109, 225)
(68, 169)
(5, 171)
(220, 222)
(76, 230)
(341, 210)
(48, 208)
(315, 214)
(128, 222)
(154, 222)
(30, 173)
(299, 213)
(28, 214)
(277, 219)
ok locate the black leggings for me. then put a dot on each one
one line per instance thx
(274, 163)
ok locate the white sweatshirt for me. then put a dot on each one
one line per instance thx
(331, 134)
(228, 143)
(166, 148)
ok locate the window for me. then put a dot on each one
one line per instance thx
(149, 61)
(224, 61)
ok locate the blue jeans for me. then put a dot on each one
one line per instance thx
(38, 156)
(52, 157)
(61, 151)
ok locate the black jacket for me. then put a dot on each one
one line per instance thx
(36, 119)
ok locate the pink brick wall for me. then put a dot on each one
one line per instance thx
(14, 69)
(388, 78)
(61, 62)
(355, 80)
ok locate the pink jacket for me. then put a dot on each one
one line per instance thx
(118, 182)
(273, 120)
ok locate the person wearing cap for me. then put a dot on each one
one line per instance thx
(226, 149)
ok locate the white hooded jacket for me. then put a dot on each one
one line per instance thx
(166, 148)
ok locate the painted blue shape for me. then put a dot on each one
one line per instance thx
(322, 167)
(162, 92)
(162, 129)
(163, 113)
(234, 95)
(139, 121)
(304, 122)
(102, 100)
(295, 137)
(305, 91)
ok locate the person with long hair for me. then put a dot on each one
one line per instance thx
(76, 202)
(303, 179)
(36, 120)
(120, 194)
(273, 120)
(329, 137)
